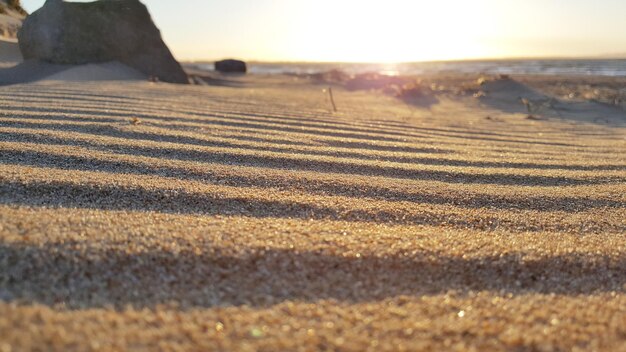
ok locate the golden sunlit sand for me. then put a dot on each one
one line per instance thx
(249, 217)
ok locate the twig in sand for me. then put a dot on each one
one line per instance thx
(332, 99)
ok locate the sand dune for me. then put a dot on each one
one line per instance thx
(110, 71)
(33, 71)
(248, 217)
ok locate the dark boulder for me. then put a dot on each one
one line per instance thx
(231, 66)
(106, 30)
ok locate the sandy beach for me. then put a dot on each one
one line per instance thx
(246, 215)
(9, 53)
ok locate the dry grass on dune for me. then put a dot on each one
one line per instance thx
(151, 216)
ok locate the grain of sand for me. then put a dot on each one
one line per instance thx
(158, 217)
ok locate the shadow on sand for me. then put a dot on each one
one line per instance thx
(29, 71)
(345, 167)
(59, 273)
(222, 81)
(175, 201)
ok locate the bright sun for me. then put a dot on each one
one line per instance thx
(398, 31)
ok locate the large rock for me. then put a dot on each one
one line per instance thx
(106, 30)
(231, 66)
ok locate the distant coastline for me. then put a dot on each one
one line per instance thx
(609, 67)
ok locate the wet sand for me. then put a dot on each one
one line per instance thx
(248, 216)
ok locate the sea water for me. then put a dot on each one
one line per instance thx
(586, 67)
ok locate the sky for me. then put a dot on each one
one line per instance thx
(388, 30)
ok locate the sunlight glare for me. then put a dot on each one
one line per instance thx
(398, 31)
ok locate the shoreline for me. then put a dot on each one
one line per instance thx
(582, 67)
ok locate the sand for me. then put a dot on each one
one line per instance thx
(108, 71)
(247, 216)
(37, 71)
(10, 53)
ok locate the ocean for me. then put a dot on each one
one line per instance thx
(587, 67)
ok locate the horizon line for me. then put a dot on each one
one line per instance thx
(484, 59)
